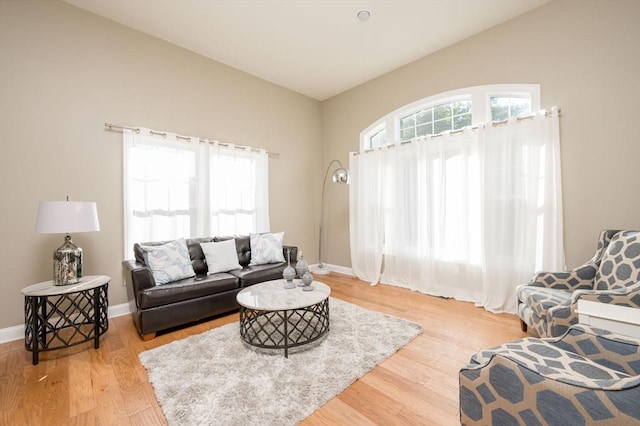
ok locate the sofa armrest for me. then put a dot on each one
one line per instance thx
(137, 277)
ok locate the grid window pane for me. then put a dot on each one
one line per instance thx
(406, 134)
(424, 116)
(408, 121)
(453, 111)
(429, 121)
(503, 107)
(441, 125)
(425, 129)
(520, 106)
(461, 121)
(462, 107)
(442, 111)
(378, 139)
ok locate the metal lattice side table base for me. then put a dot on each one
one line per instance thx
(284, 329)
(60, 321)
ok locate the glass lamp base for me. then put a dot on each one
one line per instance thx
(67, 263)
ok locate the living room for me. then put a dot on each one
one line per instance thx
(65, 72)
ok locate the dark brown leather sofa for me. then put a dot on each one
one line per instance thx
(155, 308)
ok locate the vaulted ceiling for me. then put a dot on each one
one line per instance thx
(319, 48)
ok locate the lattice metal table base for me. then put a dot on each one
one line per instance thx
(63, 320)
(284, 329)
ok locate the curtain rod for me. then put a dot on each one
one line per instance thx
(117, 128)
(453, 132)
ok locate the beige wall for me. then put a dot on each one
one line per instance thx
(64, 73)
(585, 56)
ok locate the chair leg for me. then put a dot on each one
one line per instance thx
(523, 326)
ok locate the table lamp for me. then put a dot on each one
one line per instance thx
(65, 217)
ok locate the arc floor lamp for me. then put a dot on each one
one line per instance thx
(340, 176)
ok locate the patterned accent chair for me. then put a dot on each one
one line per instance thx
(548, 302)
(587, 376)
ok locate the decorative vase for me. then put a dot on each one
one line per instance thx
(301, 266)
(289, 273)
(307, 279)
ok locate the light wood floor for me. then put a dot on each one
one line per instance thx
(417, 385)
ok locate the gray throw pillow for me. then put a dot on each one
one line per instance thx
(266, 248)
(169, 262)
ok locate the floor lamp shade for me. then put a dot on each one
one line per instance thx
(339, 176)
(65, 217)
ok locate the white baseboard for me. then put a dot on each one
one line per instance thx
(10, 334)
(335, 268)
(118, 310)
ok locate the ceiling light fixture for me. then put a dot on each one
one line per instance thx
(363, 15)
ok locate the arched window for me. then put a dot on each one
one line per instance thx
(450, 111)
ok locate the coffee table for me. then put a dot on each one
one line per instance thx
(273, 317)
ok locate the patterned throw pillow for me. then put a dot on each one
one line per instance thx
(620, 265)
(169, 262)
(221, 256)
(266, 248)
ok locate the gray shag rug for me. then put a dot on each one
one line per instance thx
(215, 379)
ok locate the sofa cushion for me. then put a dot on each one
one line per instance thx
(266, 248)
(258, 273)
(197, 255)
(620, 265)
(168, 262)
(541, 299)
(186, 289)
(221, 256)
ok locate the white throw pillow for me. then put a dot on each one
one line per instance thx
(266, 248)
(169, 262)
(221, 256)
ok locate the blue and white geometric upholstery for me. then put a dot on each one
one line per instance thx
(547, 304)
(587, 376)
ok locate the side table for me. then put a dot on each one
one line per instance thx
(61, 316)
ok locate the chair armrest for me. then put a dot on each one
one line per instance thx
(575, 279)
(536, 377)
(564, 315)
(601, 346)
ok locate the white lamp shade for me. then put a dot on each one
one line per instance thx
(66, 217)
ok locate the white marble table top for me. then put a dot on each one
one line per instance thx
(272, 296)
(47, 288)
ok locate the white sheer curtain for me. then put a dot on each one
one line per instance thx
(239, 189)
(467, 215)
(366, 215)
(174, 188)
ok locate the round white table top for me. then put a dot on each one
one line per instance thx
(272, 296)
(47, 288)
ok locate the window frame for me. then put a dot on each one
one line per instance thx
(480, 108)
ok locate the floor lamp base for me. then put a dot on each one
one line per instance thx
(320, 270)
